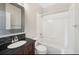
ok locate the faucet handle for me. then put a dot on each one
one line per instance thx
(16, 38)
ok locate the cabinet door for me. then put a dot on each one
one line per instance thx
(20, 52)
(32, 49)
(29, 50)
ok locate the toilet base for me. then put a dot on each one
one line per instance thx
(40, 49)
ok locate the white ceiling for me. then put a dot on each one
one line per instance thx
(45, 5)
(50, 7)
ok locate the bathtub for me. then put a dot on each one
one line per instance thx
(51, 47)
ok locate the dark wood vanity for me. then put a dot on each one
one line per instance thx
(27, 49)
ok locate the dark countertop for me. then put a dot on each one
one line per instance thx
(13, 51)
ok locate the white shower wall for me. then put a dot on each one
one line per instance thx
(54, 28)
(58, 32)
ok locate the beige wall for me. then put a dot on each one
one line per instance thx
(31, 11)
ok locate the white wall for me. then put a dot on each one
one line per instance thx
(76, 10)
(70, 36)
(31, 11)
(73, 30)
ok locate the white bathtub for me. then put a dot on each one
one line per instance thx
(51, 47)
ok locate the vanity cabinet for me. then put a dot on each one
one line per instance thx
(27, 49)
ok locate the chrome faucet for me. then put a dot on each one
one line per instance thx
(14, 39)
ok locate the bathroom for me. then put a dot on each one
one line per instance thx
(39, 28)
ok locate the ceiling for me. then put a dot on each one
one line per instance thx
(45, 5)
(46, 8)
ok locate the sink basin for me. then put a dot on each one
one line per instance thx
(16, 44)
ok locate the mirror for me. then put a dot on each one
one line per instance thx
(13, 17)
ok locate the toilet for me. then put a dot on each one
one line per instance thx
(40, 48)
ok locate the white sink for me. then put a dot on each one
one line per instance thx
(16, 44)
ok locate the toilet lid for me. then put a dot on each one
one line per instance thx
(41, 48)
